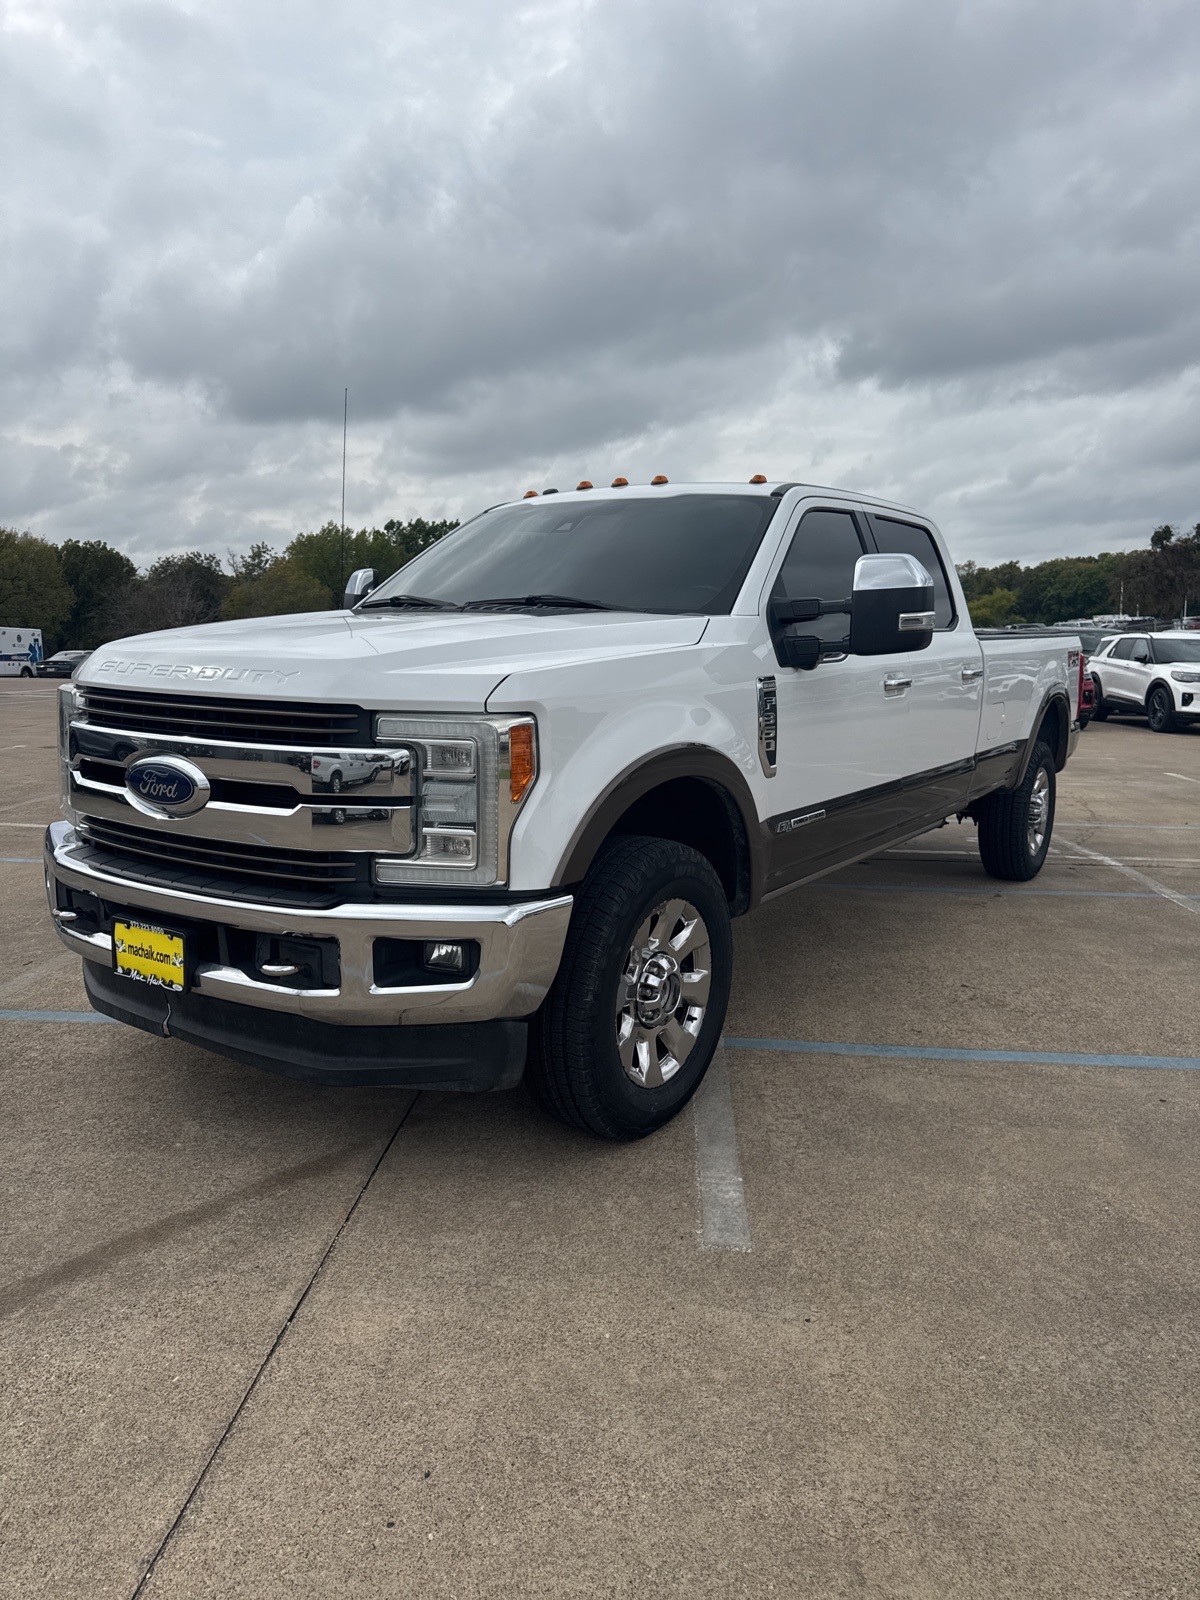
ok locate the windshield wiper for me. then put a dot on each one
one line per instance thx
(564, 601)
(419, 602)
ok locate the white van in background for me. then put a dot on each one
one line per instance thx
(20, 652)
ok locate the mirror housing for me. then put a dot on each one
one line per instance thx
(892, 607)
(358, 585)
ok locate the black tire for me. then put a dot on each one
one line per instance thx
(1099, 710)
(575, 1067)
(1009, 845)
(1160, 710)
(335, 783)
(26, 672)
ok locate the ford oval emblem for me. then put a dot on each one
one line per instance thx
(167, 786)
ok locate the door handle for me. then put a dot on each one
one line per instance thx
(971, 674)
(894, 684)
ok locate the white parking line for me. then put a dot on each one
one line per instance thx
(1182, 776)
(1132, 872)
(724, 1224)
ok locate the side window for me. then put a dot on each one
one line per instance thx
(1122, 650)
(905, 538)
(820, 565)
(1141, 650)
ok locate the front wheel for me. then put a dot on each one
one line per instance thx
(635, 1014)
(1160, 711)
(1015, 824)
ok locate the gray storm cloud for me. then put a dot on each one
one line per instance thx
(942, 251)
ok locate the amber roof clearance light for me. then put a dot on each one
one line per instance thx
(583, 484)
(659, 477)
(620, 483)
(759, 477)
(530, 494)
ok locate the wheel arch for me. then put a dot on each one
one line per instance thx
(1160, 683)
(691, 794)
(1053, 725)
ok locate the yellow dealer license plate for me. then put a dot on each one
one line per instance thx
(150, 954)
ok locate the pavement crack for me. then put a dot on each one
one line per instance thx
(177, 1521)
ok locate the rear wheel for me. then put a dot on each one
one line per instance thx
(1099, 710)
(1015, 825)
(27, 672)
(635, 1014)
(1160, 711)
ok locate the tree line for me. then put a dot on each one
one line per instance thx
(83, 593)
(1162, 581)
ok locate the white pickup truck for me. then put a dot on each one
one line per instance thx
(597, 726)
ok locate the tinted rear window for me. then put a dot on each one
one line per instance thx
(905, 538)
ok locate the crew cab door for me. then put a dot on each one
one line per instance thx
(946, 695)
(863, 742)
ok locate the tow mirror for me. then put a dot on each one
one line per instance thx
(892, 607)
(358, 585)
(794, 648)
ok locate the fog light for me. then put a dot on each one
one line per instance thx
(445, 957)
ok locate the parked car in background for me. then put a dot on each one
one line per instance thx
(20, 652)
(1087, 698)
(1156, 675)
(62, 663)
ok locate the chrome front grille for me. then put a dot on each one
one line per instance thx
(227, 719)
(303, 878)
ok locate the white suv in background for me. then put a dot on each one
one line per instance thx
(1156, 674)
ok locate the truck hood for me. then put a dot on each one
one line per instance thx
(420, 661)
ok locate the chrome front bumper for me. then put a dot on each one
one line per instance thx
(520, 946)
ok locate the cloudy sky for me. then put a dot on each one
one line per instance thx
(941, 250)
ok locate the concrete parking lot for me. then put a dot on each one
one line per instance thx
(261, 1339)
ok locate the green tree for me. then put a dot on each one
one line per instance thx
(33, 591)
(257, 561)
(99, 578)
(177, 592)
(387, 549)
(996, 609)
(279, 588)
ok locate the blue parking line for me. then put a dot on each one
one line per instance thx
(814, 1047)
(934, 1052)
(938, 888)
(54, 1016)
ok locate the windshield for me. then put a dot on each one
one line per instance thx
(1167, 650)
(678, 553)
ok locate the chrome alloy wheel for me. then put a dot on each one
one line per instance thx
(663, 993)
(1039, 812)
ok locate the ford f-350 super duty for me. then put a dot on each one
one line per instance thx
(496, 815)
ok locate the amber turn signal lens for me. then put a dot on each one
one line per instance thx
(522, 761)
(759, 477)
(583, 484)
(530, 494)
(659, 477)
(620, 483)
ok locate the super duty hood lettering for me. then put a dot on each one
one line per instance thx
(194, 674)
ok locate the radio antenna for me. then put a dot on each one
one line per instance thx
(342, 539)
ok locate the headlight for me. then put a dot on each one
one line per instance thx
(1186, 677)
(470, 779)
